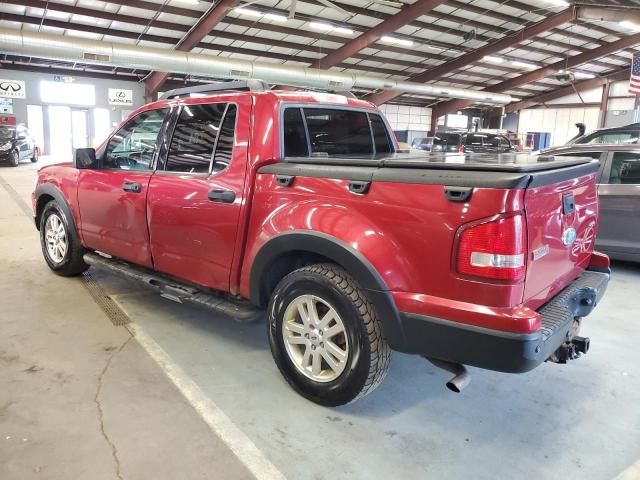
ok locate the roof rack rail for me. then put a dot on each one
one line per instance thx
(250, 85)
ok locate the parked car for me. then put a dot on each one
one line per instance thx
(297, 206)
(424, 143)
(626, 134)
(619, 191)
(479, 142)
(447, 142)
(16, 144)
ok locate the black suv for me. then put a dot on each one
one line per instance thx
(16, 144)
(479, 142)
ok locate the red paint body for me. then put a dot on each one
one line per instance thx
(407, 232)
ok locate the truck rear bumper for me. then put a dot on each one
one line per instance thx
(505, 351)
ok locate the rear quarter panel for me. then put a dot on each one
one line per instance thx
(405, 231)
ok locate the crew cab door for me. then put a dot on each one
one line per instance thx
(112, 198)
(195, 195)
(619, 190)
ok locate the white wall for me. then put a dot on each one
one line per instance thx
(560, 122)
(402, 117)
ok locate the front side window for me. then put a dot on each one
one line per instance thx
(329, 131)
(625, 169)
(194, 138)
(134, 145)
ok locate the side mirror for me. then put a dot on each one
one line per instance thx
(85, 158)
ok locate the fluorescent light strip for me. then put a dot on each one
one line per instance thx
(398, 41)
(531, 66)
(325, 27)
(630, 25)
(255, 13)
(493, 59)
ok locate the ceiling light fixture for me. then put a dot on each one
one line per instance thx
(398, 41)
(630, 25)
(325, 27)
(275, 17)
(493, 59)
(247, 11)
(584, 75)
(558, 3)
(531, 66)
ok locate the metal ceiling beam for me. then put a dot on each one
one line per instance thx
(571, 62)
(371, 36)
(563, 17)
(566, 91)
(194, 36)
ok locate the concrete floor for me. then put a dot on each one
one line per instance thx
(82, 399)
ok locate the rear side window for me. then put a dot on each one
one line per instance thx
(625, 169)
(380, 135)
(330, 131)
(194, 138)
(226, 139)
(615, 138)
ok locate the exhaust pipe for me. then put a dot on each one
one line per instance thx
(461, 376)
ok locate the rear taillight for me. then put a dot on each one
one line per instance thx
(495, 249)
(461, 149)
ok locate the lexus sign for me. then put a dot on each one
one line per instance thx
(119, 96)
(12, 88)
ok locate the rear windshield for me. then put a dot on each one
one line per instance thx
(330, 131)
(486, 139)
(446, 139)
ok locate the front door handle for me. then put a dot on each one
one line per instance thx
(224, 196)
(134, 187)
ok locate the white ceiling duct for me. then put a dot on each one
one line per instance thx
(73, 49)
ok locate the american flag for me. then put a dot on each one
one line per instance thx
(634, 83)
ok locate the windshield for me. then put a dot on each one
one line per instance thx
(6, 133)
(446, 139)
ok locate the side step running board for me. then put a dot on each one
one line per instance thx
(240, 311)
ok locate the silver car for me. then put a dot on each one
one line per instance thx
(619, 190)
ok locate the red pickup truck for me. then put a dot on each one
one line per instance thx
(241, 200)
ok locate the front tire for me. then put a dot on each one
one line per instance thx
(60, 243)
(14, 159)
(325, 336)
(34, 158)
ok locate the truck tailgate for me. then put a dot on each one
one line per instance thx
(561, 226)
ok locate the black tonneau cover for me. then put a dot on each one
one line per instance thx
(504, 162)
(471, 170)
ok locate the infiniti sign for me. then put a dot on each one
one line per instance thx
(12, 88)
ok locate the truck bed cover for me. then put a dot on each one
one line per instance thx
(489, 171)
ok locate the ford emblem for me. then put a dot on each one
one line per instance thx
(569, 236)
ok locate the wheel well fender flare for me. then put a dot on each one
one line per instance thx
(340, 253)
(53, 192)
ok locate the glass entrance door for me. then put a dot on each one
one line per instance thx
(79, 128)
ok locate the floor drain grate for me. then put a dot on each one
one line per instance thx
(108, 306)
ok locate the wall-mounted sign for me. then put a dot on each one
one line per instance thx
(6, 106)
(63, 78)
(12, 88)
(119, 96)
(8, 120)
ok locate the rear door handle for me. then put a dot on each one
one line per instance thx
(224, 196)
(134, 187)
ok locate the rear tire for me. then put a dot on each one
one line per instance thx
(14, 159)
(60, 243)
(325, 336)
